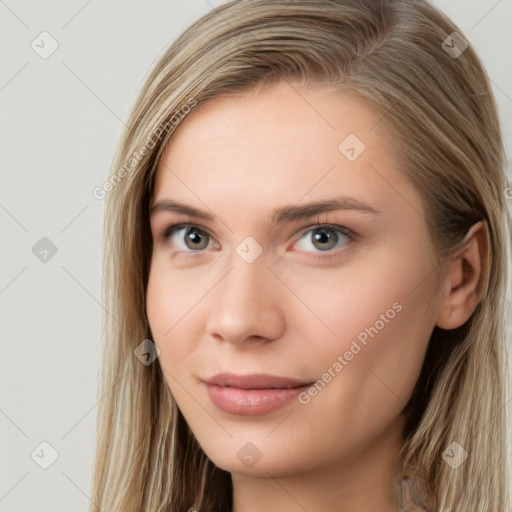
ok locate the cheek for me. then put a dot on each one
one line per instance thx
(376, 321)
(368, 371)
(171, 297)
(159, 304)
(173, 303)
(165, 306)
(361, 299)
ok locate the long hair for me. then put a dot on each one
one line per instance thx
(432, 94)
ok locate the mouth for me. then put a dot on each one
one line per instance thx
(253, 394)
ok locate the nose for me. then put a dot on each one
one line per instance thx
(247, 304)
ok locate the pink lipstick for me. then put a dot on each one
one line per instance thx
(253, 394)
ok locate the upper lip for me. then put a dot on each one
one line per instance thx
(255, 381)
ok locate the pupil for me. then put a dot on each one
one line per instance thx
(321, 237)
(194, 236)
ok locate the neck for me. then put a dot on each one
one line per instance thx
(366, 482)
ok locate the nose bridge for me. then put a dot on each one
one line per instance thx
(247, 285)
(244, 304)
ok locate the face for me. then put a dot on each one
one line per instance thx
(304, 269)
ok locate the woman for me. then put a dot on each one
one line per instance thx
(246, 370)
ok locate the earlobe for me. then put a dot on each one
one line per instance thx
(465, 278)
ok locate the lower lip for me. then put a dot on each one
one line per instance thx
(251, 401)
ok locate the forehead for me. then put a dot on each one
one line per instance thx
(281, 145)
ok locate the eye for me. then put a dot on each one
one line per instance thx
(322, 238)
(325, 238)
(195, 239)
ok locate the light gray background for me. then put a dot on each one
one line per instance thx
(61, 119)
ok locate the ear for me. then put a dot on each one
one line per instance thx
(465, 278)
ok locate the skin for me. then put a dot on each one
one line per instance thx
(288, 313)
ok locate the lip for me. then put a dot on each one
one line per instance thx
(253, 394)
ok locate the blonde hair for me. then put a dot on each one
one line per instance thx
(441, 112)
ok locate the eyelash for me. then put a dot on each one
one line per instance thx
(171, 228)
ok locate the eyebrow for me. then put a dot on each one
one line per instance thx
(280, 215)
